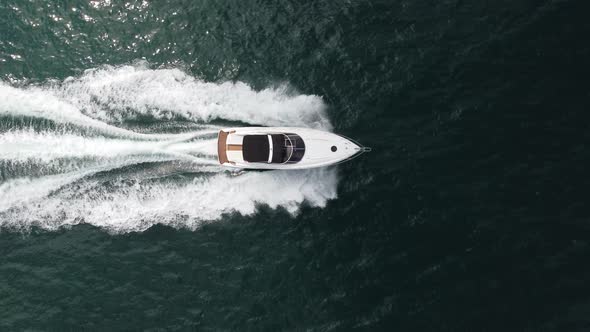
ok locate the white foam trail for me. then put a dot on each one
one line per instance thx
(119, 93)
(116, 94)
(40, 102)
(136, 207)
(205, 147)
(25, 190)
(47, 146)
(19, 192)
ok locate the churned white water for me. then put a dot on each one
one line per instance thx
(99, 100)
(117, 93)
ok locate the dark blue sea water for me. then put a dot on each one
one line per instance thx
(470, 214)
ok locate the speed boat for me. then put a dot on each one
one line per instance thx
(283, 148)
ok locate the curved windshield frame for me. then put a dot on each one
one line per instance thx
(297, 147)
(287, 148)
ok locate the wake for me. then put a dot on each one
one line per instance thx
(68, 154)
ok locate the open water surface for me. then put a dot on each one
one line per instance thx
(470, 214)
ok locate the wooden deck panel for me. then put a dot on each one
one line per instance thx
(221, 147)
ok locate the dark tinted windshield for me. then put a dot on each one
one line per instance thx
(287, 148)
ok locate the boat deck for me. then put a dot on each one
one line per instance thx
(222, 147)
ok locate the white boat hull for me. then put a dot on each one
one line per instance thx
(321, 148)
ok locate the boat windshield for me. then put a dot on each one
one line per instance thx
(287, 148)
(275, 148)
